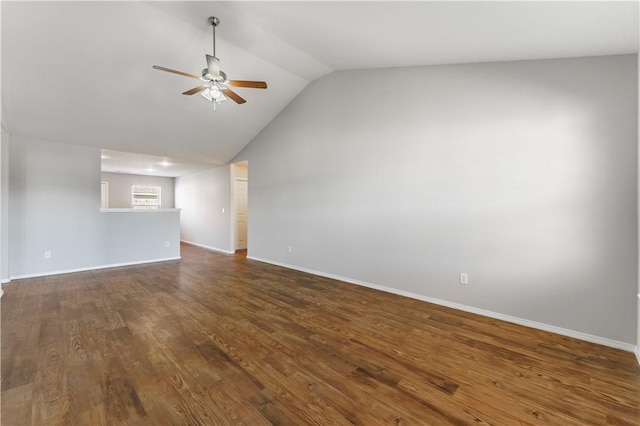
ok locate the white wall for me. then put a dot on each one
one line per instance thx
(54, 201)
(202, 196)
(521, 174)
(4, 207)
(53, 206)
(132, 237)
(638, 301)
(120, 188)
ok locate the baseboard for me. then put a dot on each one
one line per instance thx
(520, 321)
(92, 268)
(208, 247)
(5, 280)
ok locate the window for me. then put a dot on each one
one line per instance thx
(145, 196)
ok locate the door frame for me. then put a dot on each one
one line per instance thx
(232, 204)
(234, 212)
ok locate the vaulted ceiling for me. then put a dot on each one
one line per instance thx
(80, 72)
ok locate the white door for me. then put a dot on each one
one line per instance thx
(241, 201)
(104, 195)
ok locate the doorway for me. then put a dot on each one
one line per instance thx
(240, 203)
(104, 195)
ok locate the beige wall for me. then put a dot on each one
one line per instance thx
(240, 170)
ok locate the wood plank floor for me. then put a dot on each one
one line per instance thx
(216, 339)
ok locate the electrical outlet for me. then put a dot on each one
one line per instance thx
(47, 254)
(167, 244)
(289, 249)
(464, 278)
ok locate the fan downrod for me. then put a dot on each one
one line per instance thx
(214, 21)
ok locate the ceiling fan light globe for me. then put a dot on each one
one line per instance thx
(215, 93)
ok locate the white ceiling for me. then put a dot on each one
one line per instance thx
(151, 165)
(80, 72)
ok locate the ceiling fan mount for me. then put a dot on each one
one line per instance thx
(217, 87)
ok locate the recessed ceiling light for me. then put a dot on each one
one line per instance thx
(165, 163)
(104, 157)
(150, 169)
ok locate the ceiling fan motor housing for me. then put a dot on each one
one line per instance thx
(205, 75)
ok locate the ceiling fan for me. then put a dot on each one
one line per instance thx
(216, 88)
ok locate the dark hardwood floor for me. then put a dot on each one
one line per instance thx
(216, 339)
